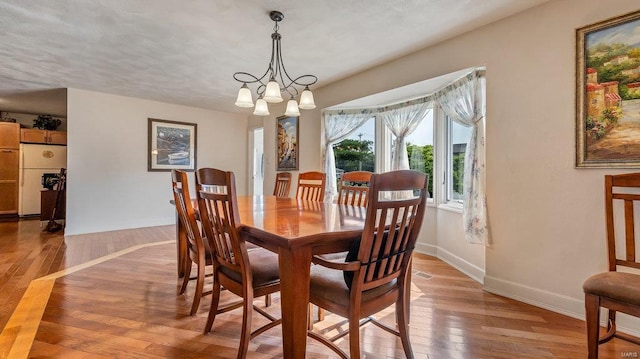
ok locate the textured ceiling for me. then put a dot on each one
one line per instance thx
(185, 52)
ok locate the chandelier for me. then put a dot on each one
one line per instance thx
(278, 82)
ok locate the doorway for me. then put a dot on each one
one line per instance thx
(257, 152)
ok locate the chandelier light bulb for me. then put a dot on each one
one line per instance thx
(292, 108)
(261, 108)
(272, 93)
(306, 100)
(244, 97)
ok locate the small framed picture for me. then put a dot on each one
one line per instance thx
(287, 143)
(172, 145)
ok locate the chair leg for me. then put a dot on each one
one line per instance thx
(354, 336)
(407, 293)
(199, 289)
(611, 327)
(186, 275)
(592, 310)
(310, 316)
(215, 300)
(245, 336)
(267, 300)
(402, 318)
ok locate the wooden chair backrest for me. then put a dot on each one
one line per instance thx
(391, 228)
(354, 188)
(311, 186)
(186, 212)
(283, 184)
(220, 217)
(624, 188)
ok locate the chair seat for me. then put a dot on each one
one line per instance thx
(622, 287)
(334, 257)
(329, 284)
(264, 266)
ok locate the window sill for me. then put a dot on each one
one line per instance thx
(451, 207)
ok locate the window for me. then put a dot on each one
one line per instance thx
(437, 141)
(357, 152)
(420, 149)
(457, 136)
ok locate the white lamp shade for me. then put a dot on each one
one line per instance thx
(244, 97)
(272, 92)
(292, 108)
(261, 108)
(306, 100)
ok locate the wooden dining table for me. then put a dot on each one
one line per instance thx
(295, 230)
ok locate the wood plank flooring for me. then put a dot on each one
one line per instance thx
(123, 304)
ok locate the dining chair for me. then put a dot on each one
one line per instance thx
(375, 273)
(354, 188)
(283, 184)
(245, 273)
(615, 290)
(311, 186)
(197, 252)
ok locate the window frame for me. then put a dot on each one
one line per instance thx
(446, 159)
(443, 158)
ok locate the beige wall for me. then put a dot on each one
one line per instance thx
(108, 184)
(546, 216)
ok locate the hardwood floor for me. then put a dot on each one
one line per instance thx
(113, 295)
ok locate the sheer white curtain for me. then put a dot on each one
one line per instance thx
(464, 103)
(336, 128)
(402, 122)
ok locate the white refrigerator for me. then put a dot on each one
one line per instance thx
(36, 160)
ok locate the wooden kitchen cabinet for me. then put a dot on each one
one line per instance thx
(57, 137)
(32, 135)
(9, 162)
(9, 167)
(9, 135)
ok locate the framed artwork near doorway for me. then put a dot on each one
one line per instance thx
(287, 146)
(608, 93)
(171, 145)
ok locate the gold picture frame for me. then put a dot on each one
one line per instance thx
(608, 93)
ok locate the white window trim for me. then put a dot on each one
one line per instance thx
(383, 146)
(441, 167)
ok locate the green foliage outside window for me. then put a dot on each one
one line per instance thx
(421, 160)
(354, 155)
(458, 175)
(357, 155)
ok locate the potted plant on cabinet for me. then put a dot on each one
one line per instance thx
(46, 122)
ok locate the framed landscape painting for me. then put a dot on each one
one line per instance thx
(172, 145)
(287, 143)
(608, 93)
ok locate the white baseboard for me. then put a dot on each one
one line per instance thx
(474, 272)
(427, 249)
(73, 229)
(554, 302)
(540, 298)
